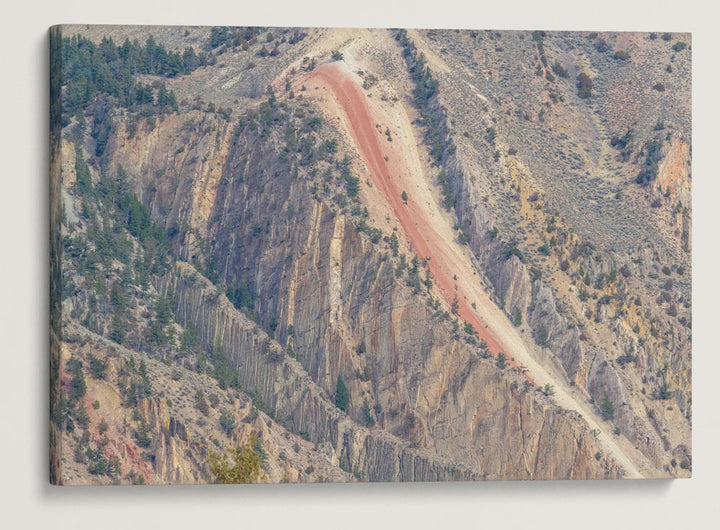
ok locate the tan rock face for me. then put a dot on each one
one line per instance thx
(462, 426)
(434, 402)
(180, 436)
(425, 402)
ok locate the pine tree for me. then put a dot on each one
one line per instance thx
(341, 395)
(79, 387)
(607, 408)
(117, 329)
(83, 182)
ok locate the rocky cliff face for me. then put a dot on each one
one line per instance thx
(279, 268)
(479, 404)
(165, 438)
(594, 343)
(331, 295)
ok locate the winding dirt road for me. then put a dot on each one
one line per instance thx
(430, 236)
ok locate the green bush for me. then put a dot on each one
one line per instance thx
(469, 329)
(201, 403)
(679, 46)
(367, 414)
(227, 421)
(584, 85)
(246, 466)
(559, 70)
(98, 367)
(541, 335)
(144, 439)
(622, 55)
(517, 317)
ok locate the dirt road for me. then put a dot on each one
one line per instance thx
(392, 171)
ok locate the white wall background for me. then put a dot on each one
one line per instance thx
(26, 499)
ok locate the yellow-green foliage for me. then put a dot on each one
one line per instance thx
(245, 468)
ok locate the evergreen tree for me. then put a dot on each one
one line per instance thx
(83, 182)
(227, 421)
(607, 408)
(163, 97)
(117, 329)
(78, 385)
(341, 394)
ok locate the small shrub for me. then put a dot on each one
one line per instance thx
(201, 403)
(491, 134)
(601, 45)
(513, 251)
(559, 70)
(367, 415)
(227, 421)
(455, 306)
(517, 317)
(369, 81)
(469, 329)
(664, 392)
(584, 85)
(246, 466)
(541, 335)
(98, 367)
(679, 46)
(621, 55)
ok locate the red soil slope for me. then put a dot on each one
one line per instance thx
(425, 241)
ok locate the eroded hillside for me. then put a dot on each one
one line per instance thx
(243, 245)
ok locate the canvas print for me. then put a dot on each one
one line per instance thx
(342, 255)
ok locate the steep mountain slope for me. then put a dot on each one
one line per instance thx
(444, 258)
(617, 301)
(326, 249)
